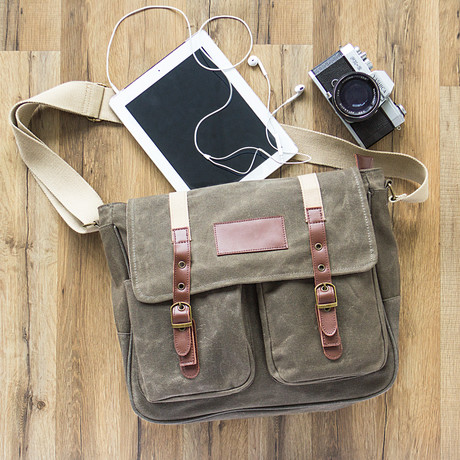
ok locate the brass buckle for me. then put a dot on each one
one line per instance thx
(180, 325)
(326, 305)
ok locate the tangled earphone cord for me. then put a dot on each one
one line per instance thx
(210, 158)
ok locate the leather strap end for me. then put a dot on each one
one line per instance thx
(189, 365)
(333, 353)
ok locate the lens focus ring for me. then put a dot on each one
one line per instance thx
(356, 96)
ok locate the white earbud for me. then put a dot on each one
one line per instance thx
(299, 89)
(254, 61)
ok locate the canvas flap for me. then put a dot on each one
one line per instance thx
(351, 242)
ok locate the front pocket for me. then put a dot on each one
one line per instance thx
(292, 340)
(226, 360)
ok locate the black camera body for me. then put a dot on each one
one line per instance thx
(359, 96)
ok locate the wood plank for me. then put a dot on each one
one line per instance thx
(449, 42)
(14, 314)
(264, 437)
(412, 405)
(228, 439)
(450, 272)
(30, 25)
(416, 226)
(94, 417)
(42, 273)
(29, 273)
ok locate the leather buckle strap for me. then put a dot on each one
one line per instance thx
(325, 291)
(183, 325)
(181, 307)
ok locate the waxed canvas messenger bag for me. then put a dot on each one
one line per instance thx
(245, 299)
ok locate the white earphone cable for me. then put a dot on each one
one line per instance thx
(132, 13)
(209, 157)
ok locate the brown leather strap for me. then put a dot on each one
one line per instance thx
(364, 162)
(325, 293)
(184, 329)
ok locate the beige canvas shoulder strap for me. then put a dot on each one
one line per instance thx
(77, 202)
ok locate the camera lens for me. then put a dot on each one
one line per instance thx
(356, 96)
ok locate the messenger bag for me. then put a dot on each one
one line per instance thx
(244, 299)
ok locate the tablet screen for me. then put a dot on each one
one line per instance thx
(169, 110)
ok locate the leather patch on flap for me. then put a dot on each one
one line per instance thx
(250, 235)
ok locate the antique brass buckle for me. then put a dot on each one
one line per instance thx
(180, 325)
(324, 287)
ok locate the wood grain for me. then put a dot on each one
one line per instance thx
(29, 276)
(449, 42)
(450, 271)
(28, 25)
(62, 391)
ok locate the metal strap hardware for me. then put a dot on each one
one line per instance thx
(180, 325)
(327, 286)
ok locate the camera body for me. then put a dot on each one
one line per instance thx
(359, 96)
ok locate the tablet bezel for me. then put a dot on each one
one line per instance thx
(199, 40)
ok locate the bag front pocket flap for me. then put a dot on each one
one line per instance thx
(351, 242)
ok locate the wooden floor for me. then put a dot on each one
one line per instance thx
(62, 390)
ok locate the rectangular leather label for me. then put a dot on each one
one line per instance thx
(251, 235)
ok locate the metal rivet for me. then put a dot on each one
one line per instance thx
(321, 267)
(181, 286)
(182, 329)
(326, 309)
(324, 288)
(181, 307)
(318, 246)
(181, 264)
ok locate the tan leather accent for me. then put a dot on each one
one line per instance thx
(185, 342)
(325, 292)
(250, 235)
(364, 162)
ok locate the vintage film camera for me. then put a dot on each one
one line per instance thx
(360, 97)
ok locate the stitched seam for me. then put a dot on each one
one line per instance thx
(86, 100)
(249, 220)
(100, 104)
(180, 241)
(309, 220)
(303, 198)
(364, 211)
(176, 345)
(192, 350)
(242, 251)
(330, 332)
(133, 241)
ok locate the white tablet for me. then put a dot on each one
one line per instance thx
(163, 106)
